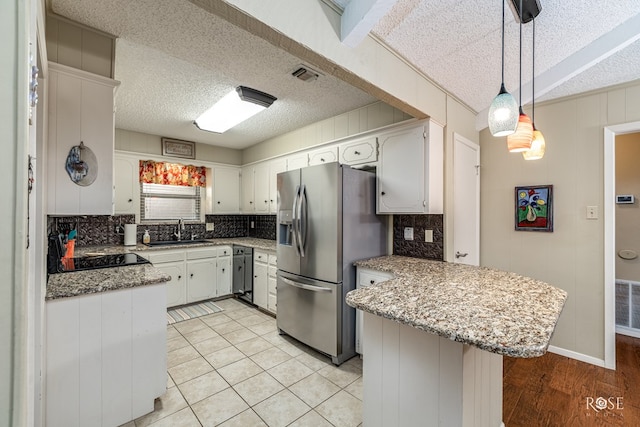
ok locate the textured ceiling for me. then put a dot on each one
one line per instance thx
(174, 61)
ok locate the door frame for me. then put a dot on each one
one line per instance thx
(459, 139)
(610, 133)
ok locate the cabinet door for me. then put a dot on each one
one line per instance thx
(201, 279)
(126, 186)
(223, 279)
(260, 284)
(272, 296)
(226, 190)
(327, 155)
(261, 187)
(297, 161)
(401, 172)
(176, 287)
(275, 167)
(359, 152)
(248, 204)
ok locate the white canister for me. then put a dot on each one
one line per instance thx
(130, 234)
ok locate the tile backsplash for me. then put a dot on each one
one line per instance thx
(95, 230)
(417, 247)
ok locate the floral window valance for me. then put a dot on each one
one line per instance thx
(172, 174)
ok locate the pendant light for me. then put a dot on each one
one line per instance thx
(538, 144)
(503, 111)
(521, 140)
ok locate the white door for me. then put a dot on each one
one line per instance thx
(466, 201)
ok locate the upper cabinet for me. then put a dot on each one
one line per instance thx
(259, 186)
(127, 189)
(410, 170)
(226, 190)
(324, 155)
(80, 181)
(275, 167)
(359, 152)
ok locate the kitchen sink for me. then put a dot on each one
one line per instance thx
(175, 242)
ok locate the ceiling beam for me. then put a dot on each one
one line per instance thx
(359, 18)
(600, 49)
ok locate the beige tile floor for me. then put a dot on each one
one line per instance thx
(234, 369)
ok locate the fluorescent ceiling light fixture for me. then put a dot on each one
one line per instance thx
(233, 109)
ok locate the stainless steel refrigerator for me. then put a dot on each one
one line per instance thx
(326, 221)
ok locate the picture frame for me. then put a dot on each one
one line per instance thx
(534, 208)
(178, 148)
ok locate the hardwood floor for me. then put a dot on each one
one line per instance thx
(554, 390)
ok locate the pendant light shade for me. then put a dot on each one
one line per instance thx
(538, 146)
(521, 140)
(503, 112)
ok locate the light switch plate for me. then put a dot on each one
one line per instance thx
(209, 226)
(408, 233)
(428, 236)
(592, 212)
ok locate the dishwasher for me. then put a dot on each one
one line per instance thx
(243, 272)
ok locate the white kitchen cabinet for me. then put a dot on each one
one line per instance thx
(106, 358)
(410, 170)
(272, 283)
(275, 167)
(297, 161)
(176, 287)
(223, 274)
(126, 185)
(359, 152)
(248, 200)
(226, 190)
(323, 155)
(364, 278)
(260, 279)
(261, 188)
(201, 279)
(80, 110)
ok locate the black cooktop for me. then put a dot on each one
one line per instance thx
(105, 261)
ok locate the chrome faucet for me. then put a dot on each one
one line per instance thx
(179, 229)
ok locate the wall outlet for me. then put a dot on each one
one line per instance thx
(253, 224)
(592, 212)
(428, 236)
(408, 233)
(209, 226)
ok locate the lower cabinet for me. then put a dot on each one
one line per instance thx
(196, 274)
(264, 280)
(106, 358)
(364, 278)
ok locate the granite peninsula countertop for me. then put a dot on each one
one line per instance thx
(496, 311)
(78, 283)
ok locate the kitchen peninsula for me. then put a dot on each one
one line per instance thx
(473, 316)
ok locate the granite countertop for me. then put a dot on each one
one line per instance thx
(494, 310)
(78, 283)
(85, 282)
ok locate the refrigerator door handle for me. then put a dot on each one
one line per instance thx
(295, 220)
(303, 218)
(305, 287)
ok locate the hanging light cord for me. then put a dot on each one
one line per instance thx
(520, 91)
(533, 76)
(503, 42)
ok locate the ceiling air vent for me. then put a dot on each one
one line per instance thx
(305, 74)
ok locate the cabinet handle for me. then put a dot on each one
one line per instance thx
(357, 153)
(383, 193)
(271, 200)
(223, 270)
(179, 277)
(130, 200)
(372, 282)
(191, 274)
(266, 201)
(321, 159)
(250, 202)
(218, 201)
(255, 277)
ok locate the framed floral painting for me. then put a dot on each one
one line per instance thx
(534, 208)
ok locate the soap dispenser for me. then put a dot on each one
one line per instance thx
(146, 238)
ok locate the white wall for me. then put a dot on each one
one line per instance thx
(628, 216)
(572, 257)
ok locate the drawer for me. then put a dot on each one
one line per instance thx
(272, 270)
(273, 259)
(160, 257)
(224, 251)
(323, 156)
(202, 253)
(358, 152)
(260, 256)
(369, 277)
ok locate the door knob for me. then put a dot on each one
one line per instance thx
(460, 255)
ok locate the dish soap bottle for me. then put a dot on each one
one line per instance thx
(146, 238)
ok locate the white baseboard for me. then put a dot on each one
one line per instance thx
(578, 356)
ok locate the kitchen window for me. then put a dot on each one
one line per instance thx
(171, 191)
